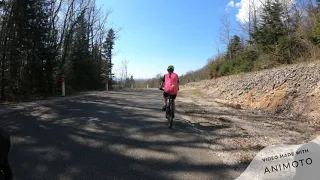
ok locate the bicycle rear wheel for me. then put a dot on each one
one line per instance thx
(170, 115)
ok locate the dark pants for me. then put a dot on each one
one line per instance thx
(166, 95)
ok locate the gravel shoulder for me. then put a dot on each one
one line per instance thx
(291, 90)
(237, 135)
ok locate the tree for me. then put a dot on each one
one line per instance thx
(124, 72)
(225, 36)
(314, 23)
(28, 47)
(271, 27)
(131, 80)
(108, 47)
(81, 61)
(6, 26)
(235, 47)
(42, 41)
(249, 25)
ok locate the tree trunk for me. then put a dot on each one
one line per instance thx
(4, 52)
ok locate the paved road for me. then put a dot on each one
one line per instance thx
(113, 135)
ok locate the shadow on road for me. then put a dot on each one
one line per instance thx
(116, 136)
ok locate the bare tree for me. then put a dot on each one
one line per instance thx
(74, 11)
(225, 35)
(249, 24)
(124, 71)
(217, 48)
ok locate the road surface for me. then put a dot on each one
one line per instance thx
(111, 135)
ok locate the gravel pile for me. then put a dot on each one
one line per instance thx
(289, 90)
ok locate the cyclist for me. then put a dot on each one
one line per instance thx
(170, 81)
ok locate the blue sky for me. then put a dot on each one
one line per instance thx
(157, 33)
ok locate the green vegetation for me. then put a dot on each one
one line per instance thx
(43, 41)
(155, 82)
(282, 35)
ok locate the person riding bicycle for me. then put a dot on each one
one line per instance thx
(170, 81)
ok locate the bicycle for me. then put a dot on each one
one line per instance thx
(169, 109)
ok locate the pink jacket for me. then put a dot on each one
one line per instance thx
(171, 85)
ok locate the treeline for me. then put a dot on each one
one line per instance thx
(155, 81)
(278, 33)
(43, 41)
(141, 84)
(127, 82)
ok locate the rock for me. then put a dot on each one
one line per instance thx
(291, 91)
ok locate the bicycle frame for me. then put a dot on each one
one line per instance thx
(169, 109)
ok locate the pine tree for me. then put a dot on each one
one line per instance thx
(28, 45)
(235, 47)
(97, 76)
(108, 47)
(81, 63)
(41, 48)
(37, 48)
(271, 27)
